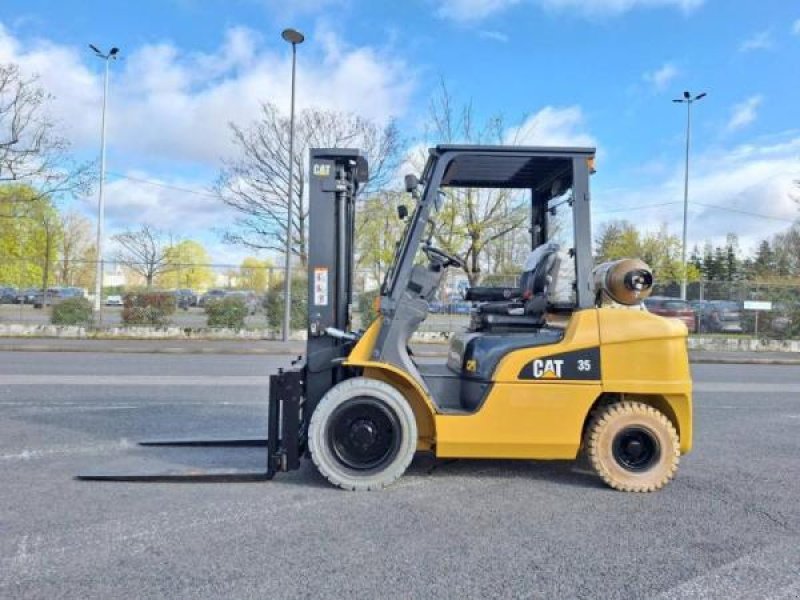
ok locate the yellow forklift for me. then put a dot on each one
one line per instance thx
(564, 363)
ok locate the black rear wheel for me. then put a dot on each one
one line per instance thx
(636, 449)
(633, 447)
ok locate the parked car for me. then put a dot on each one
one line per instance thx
(8, 295)
(46, 297)
(720, 316)
(781, 317)
(185, 298)
(54, 295)
(26, 296)
(114, 300)
(249, 297)
(699, 305)
(211, 295)
(673, 308)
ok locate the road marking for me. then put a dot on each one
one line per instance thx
(34, 453)
(770, 572)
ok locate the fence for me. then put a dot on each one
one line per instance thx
(262, 285)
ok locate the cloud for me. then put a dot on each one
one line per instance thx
(744, 113)
(496, 36)
(294, 8)
(600, 8)
(746, 180)
(470, 11)
(758, 41)
(552, 126)
(796, 27)
(172, 103)
(467, 11)
(169, 109)
(180, 205)
(661, 77)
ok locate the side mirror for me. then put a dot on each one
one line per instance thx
(412, 183)
(402, 212)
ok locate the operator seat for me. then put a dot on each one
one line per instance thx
(523, 308)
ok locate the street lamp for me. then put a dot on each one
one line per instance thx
(687, 99)
(294, 37)
(98, 286)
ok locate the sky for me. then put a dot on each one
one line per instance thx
(564, 72)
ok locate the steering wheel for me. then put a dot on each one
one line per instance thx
(440, 256)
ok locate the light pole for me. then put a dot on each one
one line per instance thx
(687, 99)
(294, 37)
(98, 285)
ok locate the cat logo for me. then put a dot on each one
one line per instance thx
(547, 369)
(472, 365)
(322, 170)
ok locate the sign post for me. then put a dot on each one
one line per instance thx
(757, 306)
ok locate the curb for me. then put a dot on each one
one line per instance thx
(745, 361)
(211, 350)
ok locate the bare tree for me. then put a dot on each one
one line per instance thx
(144, 251)
(474, 223)
(30, 149)
(76, 248)
(256, 184)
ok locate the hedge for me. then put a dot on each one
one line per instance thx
(227, 312)
(147, 308)
(72, 311)
(273, 303)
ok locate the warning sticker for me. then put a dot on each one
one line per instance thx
(321, 286)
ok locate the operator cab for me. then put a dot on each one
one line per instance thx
(544, 188)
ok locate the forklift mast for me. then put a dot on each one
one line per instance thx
(335, 176)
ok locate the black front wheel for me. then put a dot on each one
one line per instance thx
(363, 434)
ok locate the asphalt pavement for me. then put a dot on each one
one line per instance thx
(727, 527)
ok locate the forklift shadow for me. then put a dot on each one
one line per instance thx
(564, 472)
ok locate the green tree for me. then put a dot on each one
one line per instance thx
(254, 274)
(378, 229)
(618, 239)
(187, 265)
(30, 234)
(720, 260)
(764, 263)
(659, 249)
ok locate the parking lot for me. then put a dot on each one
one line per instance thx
(727, 527)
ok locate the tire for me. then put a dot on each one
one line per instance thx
(383, 419)
(633, 447)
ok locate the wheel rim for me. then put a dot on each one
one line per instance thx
(636, 449)
(364, 434)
